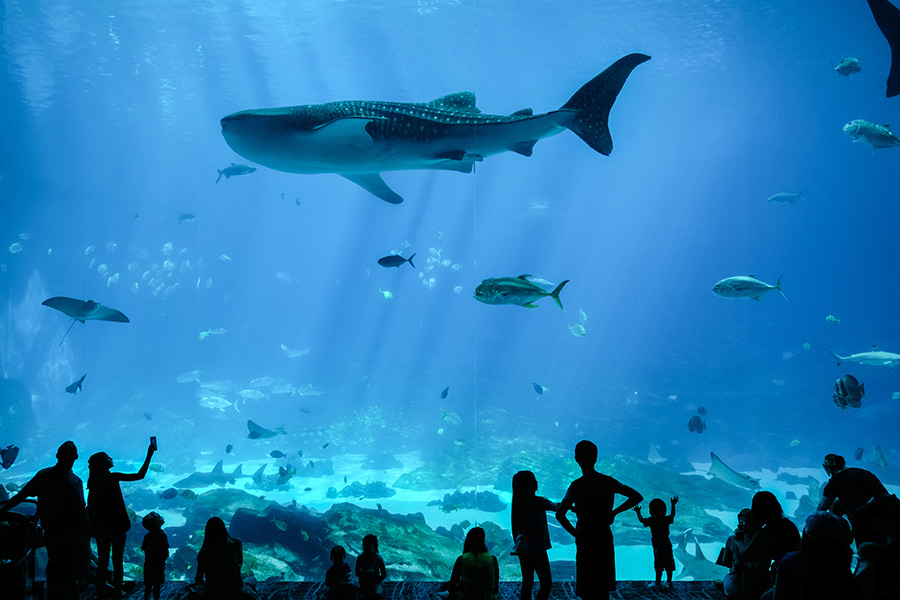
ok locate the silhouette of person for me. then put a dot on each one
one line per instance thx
(109, 517)
(156, 552)
(748, 575)
(881, 572)
(532, 537)
(219, 562)
(476, 573)
(593, 496)
(370, 568)
(63, 517)
(776, 536)
(852, 487)
(337, 577)
(659, 522)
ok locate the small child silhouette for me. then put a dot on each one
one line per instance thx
(156, 551)
(370, 568)
(659, 523)
(337, 578)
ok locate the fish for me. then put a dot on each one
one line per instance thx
(444, 392)
(345, 479)
(745, 287)
(848, 392)
(875, 135)
(879, 458)
(696, 424)
(8, 456)
(157, 468)
(325, 445)
(577, 329)
(358, 140)
(875, 357)
(702, 411)
(395, 260)
(307, 489)
(538, 388)
(887, 17)
(217, 476)
(229, 448)
(858, 454)
(81, 311)
(719, 469)
(785, 198)
(276, 454)
(75, 387)
(451, 417)
(654, 457)
(148, 416)
(848, 66)
(168, 494)
(257, 431)
(515, 290)
(294, 353)
(696, 565)
(234, 169)
(185, 218)
(387, 294)
(833, 320)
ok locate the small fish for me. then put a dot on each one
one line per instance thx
(280, 524)
(696, 425)
(156, 468)
(345, 480)
(307, 489)
(387, 295)
(785, 198)
(395, 260)
(444, 392)
(879, 458)
(848, 66)
(794, 443)
(229, 448)
(702, 411)
(745, 287)
(234, 169)
(538, 388)
(312, 465)
(75, 387)
(326, 445)
(185, 218)
(8, 456)
(300, 453)
(875, 135)
(188, 494)
(169, 494)
(148, 416)
(833, 320)
(276, 454)
(858, 454)
(848, 392)
(515, 290)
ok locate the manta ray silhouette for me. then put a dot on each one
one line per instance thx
(83, 310)
(887, 17)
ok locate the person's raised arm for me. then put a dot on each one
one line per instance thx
(674, 502)
(641, 518)
(563, 519)
(143, 470)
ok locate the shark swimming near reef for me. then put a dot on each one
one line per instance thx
(887, 17)
(217, 476)
(360, 139)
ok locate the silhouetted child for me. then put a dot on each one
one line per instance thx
(337, 577)
(370, 568)
(659, 523)
(156, 551)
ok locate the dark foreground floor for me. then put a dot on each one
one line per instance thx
(418, 590)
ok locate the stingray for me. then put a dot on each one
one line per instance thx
(887, 17)
(260, 432)
(82, 311)
(729, 475)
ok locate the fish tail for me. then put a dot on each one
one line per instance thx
(862, 390)
(220, 176)
(778, 287)
(409, 260)
(555, 294)
(594, 100)
(837, 357)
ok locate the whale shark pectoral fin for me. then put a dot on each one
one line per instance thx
(887, 17)
(375, 185)
(523, 148)
(350, 130)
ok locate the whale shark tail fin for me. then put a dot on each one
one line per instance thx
(887, 17)
(594, 100)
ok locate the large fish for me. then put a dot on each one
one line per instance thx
(875, 135)
(217, 476)
(360, 139)
(83, 310)
(848, 391)
(887, 17)
(696, 565)
(875, 357)
(232, 170)
(745, 287)
(722, 471)
(515, 290)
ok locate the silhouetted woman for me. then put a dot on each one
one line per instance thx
(777, 535)
(109, 517)
(476, 574)
(532, 537)
(219, 562)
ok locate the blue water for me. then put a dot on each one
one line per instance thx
(110, 131)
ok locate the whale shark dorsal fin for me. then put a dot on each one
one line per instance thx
(525, 112)
(349, 130)
(461, 101)
(217, 470)
(753, 275)
(875, 348)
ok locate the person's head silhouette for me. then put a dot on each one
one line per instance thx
(475, 541)
(67, 454)
(586, 454)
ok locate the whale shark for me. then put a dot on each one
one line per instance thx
(887, 17)
(359, 140)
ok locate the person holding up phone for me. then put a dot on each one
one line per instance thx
(109, 517)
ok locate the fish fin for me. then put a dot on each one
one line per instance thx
(593, 101)
(459, 101)
(220, 176)
(350, 130)
(555, 294)
(525, 112)
(238, 472)
(409, 260)
(525, 277)
(530, 305)
(837, 357)
(862, 389)
(105, 313)
(461, 156)
(887, 17)
(778, 287)
(523, 148)
(218, 468)
(375, 185)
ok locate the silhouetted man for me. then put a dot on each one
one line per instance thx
(852, 487)
(593, 495)
(60, 495)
